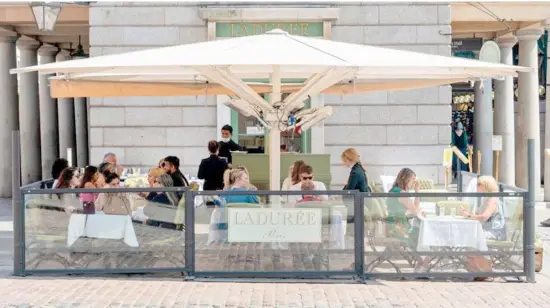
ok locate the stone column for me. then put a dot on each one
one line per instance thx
(8, 108)
(29, 116)
(529, 111)
(504, 114)
(48, 113)
(66, 118)
(483, 125)
(81, 128)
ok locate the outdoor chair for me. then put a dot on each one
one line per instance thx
(385, 248)
(425, 184)
(504, 252)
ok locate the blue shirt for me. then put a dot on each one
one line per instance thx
(240, 198)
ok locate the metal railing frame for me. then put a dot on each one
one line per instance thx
(189, 266)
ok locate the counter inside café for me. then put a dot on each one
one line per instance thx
(258, 166)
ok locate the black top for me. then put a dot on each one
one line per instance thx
(226, 147)
(211, 171)
(357, 179)
(179, 179)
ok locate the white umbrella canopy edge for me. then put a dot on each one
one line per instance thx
(281, 49)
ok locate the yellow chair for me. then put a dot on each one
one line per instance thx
(425, 184)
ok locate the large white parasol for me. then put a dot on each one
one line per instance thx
(224, 66)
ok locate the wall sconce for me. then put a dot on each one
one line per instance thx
(45, 14)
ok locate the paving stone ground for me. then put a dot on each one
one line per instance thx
(161, 291)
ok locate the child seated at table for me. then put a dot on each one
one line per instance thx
(308, 186)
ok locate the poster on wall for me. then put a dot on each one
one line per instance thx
(291, 225)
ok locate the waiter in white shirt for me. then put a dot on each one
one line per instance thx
(306, 174)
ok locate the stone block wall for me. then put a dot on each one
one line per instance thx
(141, 130)
(396, 129)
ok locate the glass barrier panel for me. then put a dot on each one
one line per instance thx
(443, 234)
(282, 233)
(116, 231)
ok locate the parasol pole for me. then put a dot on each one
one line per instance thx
(274, 139)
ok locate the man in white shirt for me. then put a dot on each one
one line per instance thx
(306, 174)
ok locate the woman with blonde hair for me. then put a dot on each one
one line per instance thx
(226, 174)
(152, 176)
(490, 212)
(358, 177)
(238, 181)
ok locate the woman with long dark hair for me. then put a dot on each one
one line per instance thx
(58, 166)
(69, 178)
(91, 179)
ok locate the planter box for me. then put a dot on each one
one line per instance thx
(539, 254)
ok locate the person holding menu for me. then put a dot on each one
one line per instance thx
(227, 144)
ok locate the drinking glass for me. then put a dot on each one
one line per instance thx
(441, 211)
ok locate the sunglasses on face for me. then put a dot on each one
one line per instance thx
(307, 178)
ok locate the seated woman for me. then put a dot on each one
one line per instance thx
(69, 178)
(152, 176)
(399, 208)
(490, 212)
(402, 210)
(113, 203)
(91, 179)
(238, 181)
(58, 166)
(169, 199)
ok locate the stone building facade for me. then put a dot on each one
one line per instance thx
(390, 129)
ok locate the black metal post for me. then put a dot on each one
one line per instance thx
(190, 233)
(17, 207)
(359, 236)
(529, 215)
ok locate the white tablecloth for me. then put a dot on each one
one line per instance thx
(102, 226)
(451, 232)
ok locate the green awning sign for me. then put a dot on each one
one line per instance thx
(236, 29)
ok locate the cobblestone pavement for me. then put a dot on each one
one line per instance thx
(145, 292)
(160, 291)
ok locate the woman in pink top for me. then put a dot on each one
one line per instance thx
(91, 179)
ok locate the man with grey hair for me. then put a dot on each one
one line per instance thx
(111, 158)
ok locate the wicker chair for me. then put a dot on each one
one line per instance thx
(425, 184)
(503, 252)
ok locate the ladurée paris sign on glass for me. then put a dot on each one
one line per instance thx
(294, 225)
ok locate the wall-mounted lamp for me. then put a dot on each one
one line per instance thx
(46, 14)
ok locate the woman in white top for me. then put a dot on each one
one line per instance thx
(490, 211)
